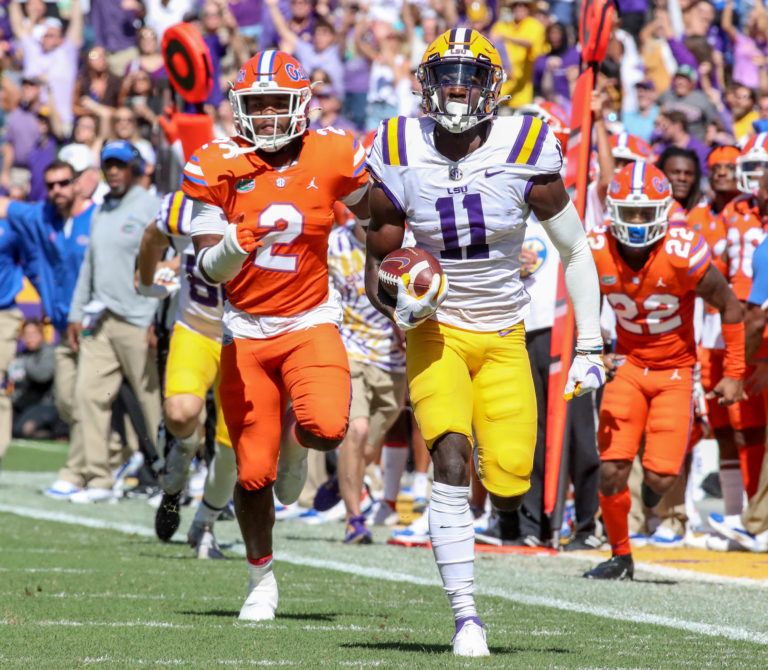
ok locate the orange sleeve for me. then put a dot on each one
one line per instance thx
(202, 175)
(350, 157)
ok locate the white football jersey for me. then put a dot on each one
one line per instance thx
(469, 214)
(201, 305)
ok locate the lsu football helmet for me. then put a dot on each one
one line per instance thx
(270, 73)
(638, 201)
(460, 61)
(553, 115)
(751, 163)
(630, 148)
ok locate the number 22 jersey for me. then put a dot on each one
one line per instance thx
(654, 306)
(470, 214)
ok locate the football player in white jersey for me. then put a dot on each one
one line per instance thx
(465, 181)
(192, 368)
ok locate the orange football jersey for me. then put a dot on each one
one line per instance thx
(654, 307)
(744, 233)
(294, 207)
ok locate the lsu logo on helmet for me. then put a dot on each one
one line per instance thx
(638, 201)
(273, 73)
(460, 60)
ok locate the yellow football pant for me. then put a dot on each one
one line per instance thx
(193, 367)
(462, 381)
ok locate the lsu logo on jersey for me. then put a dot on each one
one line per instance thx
(538, 247)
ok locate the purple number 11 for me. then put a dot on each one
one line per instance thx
(477, 247)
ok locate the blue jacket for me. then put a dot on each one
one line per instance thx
(11, 259)
(54, 257)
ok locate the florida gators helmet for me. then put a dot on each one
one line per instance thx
(630, 148)
(461, 76)
(270, 73)
(752, 162)
(638, 201)
(553, 115)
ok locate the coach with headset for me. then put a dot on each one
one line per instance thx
(108, 319)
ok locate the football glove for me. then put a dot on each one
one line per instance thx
(248, 235)
(410, 310)
(586, 374)
(165, 284)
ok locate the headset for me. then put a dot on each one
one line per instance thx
(136, 161)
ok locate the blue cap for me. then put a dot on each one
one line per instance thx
(121, 150)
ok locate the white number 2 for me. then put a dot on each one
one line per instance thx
(287, 222)
(682, 246)
(662, 313)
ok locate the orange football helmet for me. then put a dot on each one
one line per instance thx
(460, 58)
(630, 148)
(553, 115)
(752, 162)
(270, 73)
(638, 201)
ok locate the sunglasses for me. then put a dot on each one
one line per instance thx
(50, 185)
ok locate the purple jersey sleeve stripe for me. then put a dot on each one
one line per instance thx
(538, 145)
(385, 143)
(401, 140)
(378, 182)
(527, 191)
(520, 141)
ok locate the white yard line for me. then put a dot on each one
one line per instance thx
(730, 632)
(50, 448)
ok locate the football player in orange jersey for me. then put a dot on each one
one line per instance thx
(682, 169)
(743, 424)
(650, 272)
(262, 214)
(746, 220)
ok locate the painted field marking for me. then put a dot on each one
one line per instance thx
(730, 632)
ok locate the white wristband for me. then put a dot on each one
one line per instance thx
(225, 259)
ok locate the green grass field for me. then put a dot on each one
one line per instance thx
(84, 586)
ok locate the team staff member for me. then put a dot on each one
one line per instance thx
(119, 318)
(55, 233)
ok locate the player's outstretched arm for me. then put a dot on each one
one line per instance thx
(153, 244)
(552, 206)
(384, 235)
(713, 287)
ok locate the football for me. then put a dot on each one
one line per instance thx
(419, 264)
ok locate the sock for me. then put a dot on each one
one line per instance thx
(732, 484)
(751, 458)
(220, 480)
(452, 535)
(206, 515)
(420, 484)
(176, 469)
(258, 568)
(393, 460)
(615, 518)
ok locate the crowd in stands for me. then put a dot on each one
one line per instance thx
(80, 74)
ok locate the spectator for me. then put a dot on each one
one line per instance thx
(301, 21)
(656, 55)
(672, 131)
(357, 67)
(149, 57)
(34, 410)
(418, 40)
(479, 16)
(139, 95)
(329, 104)
(125, 127)
(114, 26)
(43, 153)
(642, 121)
(521, 40)
(117, 344)
(694, 104)
(742, 107)
(87, 131)
(248, 16)
(89, 188)
(162, 14)
(53, 54)
(321, 53)
(21, 130)
(550, 78)
(96, 87)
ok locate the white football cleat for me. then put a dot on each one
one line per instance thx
(469, 639)
(731, 527)
(61, 490)
(87, 496)
(261, 602)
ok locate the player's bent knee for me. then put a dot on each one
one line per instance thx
(507, 474)
(182, 413)
(312, 441)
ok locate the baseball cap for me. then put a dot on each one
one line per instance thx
(29, 79)
(687, 71)
(646, 84)
(120, 150)
(79, 156)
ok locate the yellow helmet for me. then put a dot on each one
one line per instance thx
(460, 58)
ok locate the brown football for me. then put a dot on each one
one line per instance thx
(419, 264)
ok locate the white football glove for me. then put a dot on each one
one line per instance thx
(165, 284)
(410, 310)
(587, 374)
